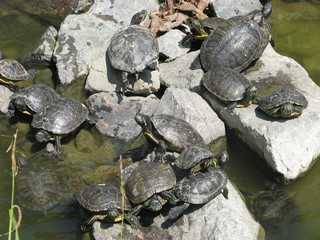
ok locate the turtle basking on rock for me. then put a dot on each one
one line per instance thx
(58, 119)
(133, 49)
(283, 103)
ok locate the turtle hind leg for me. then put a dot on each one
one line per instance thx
(125, 82)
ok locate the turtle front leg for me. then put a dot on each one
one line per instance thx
(132, 220)
(58, 147)
(176, 211)
(168, 195)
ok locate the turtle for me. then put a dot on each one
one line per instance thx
(133, 49)
(273, 208)
(199, 188)
(103, 202)
(36, 187)
(234, 44)
(13, 71)
(206, 26)
(32, 99)
(169, 132)
(283, 102)
(149, 184)
(229, 86)
(197, 158)
(58, 119)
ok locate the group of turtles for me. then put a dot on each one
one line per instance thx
(151, 184)
(230, 47)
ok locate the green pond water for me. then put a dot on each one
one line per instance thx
(296, 33)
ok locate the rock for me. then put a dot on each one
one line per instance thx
(169, 44)
(289, 146)
(230, 8)
(117, 119)
(43, 49)
(83, 39)
(5, 94)
(52, 11)
(190, 107)
(218, 219)
(177, 73)
(103, 77)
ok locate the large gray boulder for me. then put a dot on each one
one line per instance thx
(82, 38)
(116, 119)
(230, 8)
(289, 146)
(177, 73)
(190, 107)
(219, 219)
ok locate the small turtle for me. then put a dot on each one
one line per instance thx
(273, 208)
(169, 132)
(58, 119)
(11, 71)
(149, 184)
(32, 99)
(283, 102)
(199, 188)
(36, 187)
(103, 201)
(234, 44)
(133, 49)
(197, 158)
(229, 86)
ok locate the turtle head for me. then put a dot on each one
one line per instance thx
(22, 106)
(113, 213)
(258, 18)
(43, 136)
(198, 26)
(223, 160)
(138, 17)
(287, 110)
(267, 10)
(251, 92)
(143, 120)
(154, 203)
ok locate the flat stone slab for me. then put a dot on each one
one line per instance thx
(289, 146)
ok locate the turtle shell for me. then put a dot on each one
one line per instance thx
(61, 117)
(282, 96)
(191, 156)
(273, 208)
(202, 186)
(226, 84)
(35, 97)
(99, 197)
(235, 43)
(133, 49)
(36, 187)
(148, 179)
(13, 70)
(177, 133)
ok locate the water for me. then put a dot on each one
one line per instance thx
(296, 34)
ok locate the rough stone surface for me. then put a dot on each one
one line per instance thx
(42, 51)
(117, 119)
(230, 8)
(169, 44)
(219, 219)
(190, 107)
(85, 37)
(5, 94)
(177, 73)
(103, 77)
(288, 145)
